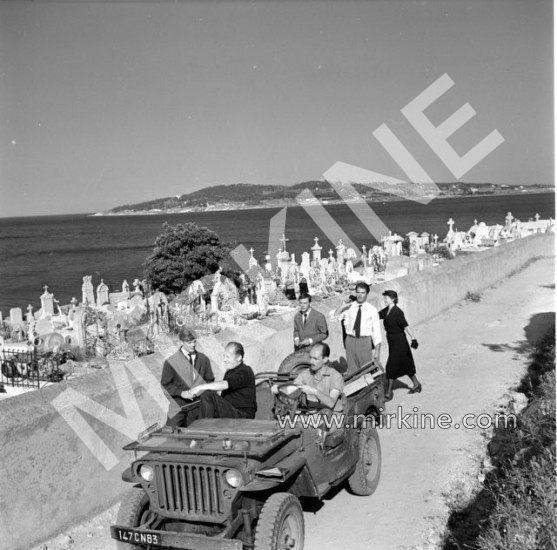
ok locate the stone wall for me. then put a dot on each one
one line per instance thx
(50, 479)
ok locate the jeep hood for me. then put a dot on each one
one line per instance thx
(219, 436)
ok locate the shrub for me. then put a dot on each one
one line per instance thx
(185, 253)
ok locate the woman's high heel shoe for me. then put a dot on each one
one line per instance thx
(417, 389)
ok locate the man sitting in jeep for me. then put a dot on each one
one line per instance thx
(322, 384)
(238, 389)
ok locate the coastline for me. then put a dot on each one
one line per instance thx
(294, 204)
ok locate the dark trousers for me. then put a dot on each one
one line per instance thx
(212, 405)
(185, 416)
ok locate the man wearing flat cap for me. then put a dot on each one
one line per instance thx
(182, 371)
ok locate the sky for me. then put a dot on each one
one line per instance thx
(111, 103)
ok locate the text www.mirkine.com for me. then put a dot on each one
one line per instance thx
(399, 420)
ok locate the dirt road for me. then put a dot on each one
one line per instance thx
(468, 359)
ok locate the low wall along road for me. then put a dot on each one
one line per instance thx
(51, 477)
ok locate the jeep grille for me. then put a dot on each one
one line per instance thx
(190, 489)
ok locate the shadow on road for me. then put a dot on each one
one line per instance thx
(538, 325)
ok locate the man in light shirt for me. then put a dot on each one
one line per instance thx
(363, 330)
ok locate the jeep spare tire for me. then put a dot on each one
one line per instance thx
(295, 363)
(281, 524)
(366, 476)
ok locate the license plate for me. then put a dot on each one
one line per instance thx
(136, 537)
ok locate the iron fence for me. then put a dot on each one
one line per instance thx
(25, 369)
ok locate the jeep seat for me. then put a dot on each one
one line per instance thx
(265, 402)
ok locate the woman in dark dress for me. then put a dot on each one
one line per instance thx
(400, 361)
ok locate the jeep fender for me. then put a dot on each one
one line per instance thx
(295, 475)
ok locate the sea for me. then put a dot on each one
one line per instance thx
(58, 251)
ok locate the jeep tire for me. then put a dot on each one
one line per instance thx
(132, 513)
(295, 362)
(366, 476)
(281, 524)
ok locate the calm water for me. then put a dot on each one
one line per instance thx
(59, 250)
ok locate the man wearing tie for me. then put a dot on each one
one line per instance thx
(310, 326)
(363, 331)
(183, 370)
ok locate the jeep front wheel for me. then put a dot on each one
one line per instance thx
(281, 524)
(365, 478)
(134, 511)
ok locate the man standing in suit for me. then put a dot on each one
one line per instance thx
(182, 371)
(310, 326)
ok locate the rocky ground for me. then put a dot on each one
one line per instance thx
(468, 360)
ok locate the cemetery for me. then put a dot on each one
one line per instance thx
(59, 342)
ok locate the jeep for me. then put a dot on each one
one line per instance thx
(233, 484)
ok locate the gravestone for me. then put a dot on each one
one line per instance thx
(80, 338)
(16, 315)
(305, 265)
(252, 262)
(47, 303)
(87, 291)
(316, 249)
(102, 294)
(269, 286)
(284, 264)
(341, 248)
(268, 265)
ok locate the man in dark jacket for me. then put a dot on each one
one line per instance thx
(182, 371)
(310, 325)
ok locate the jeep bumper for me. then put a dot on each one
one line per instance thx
(172, 539)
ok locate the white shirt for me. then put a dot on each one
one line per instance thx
(369, 323)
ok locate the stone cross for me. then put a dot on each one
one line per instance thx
(537, 217)
(29, 313)
(283, 241)
(251, 251)
(330, 254)
(450, 223)
(509, 218)
(435, 238)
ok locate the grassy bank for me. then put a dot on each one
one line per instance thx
(516, 507)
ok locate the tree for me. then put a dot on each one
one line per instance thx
(183, 254)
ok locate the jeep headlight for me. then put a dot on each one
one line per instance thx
(233, 478)
(146, 472)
